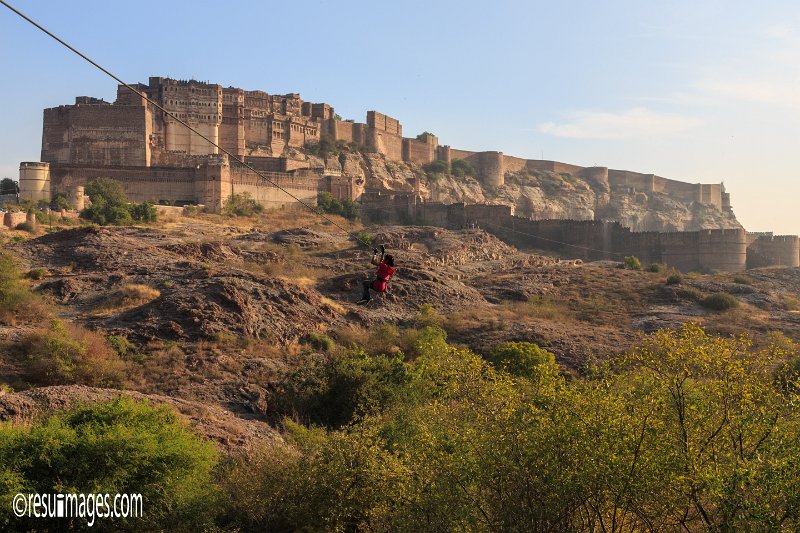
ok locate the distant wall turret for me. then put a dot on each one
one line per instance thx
(34, 181)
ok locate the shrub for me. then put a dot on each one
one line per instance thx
(524, 359)
(241, 205)
(16, 300)
(674, 279)
(25, 226)
(120, 446)
(428, 316)
(461, 168)
(332, 390)
(66, 353)
(720, 301)
(37, 273)
(743, 279)
(111, 206)
(328, 204)
(364, 238)
(437, 167)
(320, 342)
(632, 263)
(655, 267)
(144, 212)
(60, 202)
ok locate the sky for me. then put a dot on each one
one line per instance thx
(699, 91)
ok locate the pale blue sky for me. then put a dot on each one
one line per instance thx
(693, 90)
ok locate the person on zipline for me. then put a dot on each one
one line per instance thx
(385, 266)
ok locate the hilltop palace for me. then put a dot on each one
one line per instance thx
(158, 159)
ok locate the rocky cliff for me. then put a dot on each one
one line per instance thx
(540, 195)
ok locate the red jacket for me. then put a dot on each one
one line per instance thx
(383, 275)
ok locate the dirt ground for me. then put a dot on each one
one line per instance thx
(217, 308)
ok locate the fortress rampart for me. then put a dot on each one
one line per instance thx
(726, 250)
(769, 250)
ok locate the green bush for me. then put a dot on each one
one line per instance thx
(65, 353)
(37, 273)
(320, 342)
(743, 279)
(25, 226)
(632, 263)
(674, 279)
(655, 267)
(111, 206)
(332, 390)
(461, 168)
(120, 446)
(328, 204)
(437, 167)
(60, 202)
(241, 205)
(364, 238)
(144, 212)
(524, 359)
(16, 300)
(720, 301)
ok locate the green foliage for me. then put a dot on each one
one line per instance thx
(241, 205)
(332, 390)
(8, 186)
(632, 263)
(720, 301)
(524, 359)
(68, 354)
(428, 316)
(688, 432)
(111, 206)
(60, 202)
(15, 298)
(328, 204)
(674, 279)
(656, 267)
(743, 279)
(326, 146)
(437, 167)
(37, 273)
(119, 446)
(121, 345)
(144, 212)
(320, 342)
(365, 238)
(25, 226)
(461, 168)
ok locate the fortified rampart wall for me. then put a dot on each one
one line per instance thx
(718, 249)
(769, 250)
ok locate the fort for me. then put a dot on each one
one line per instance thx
(156, 158)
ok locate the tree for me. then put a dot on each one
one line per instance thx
(8, 186)
(111, 206)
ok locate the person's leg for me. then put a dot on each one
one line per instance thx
(367, 284)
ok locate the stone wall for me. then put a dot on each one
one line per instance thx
(724, 250)
(769, 250)
(97, 135)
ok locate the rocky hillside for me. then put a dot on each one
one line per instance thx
(541, 195)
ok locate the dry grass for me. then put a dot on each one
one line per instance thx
(125, 298)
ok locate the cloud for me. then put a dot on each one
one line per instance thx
(784, 94)
(632, 123)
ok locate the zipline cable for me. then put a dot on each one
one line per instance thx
(179, 120)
